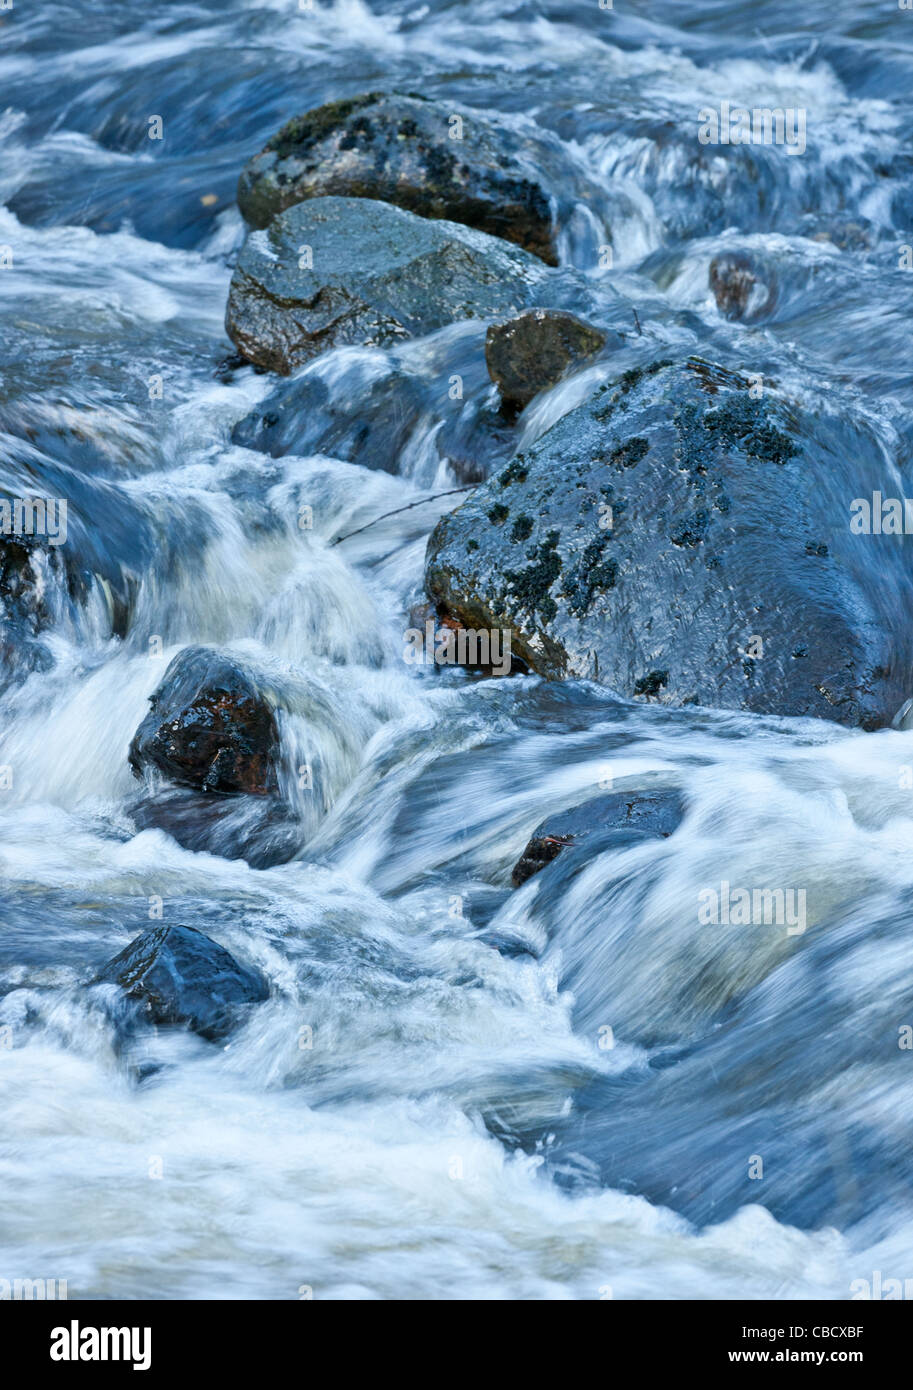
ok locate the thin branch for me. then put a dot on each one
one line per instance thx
(421, 501)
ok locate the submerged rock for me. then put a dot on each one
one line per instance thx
(210, 726)
(259, 829)
(742, 288)
(535, 349)
(649, 813)
(179, 976)
(337, 272)
(402, 150)
(681, 541)
(370, 426)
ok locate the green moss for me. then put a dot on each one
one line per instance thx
(314, 125)
(744, 423)
(531, 586)
(515, 472)
(652, 683)
(627, 381)
(626, 455)
(591, 574)
(522, 529)
(498, 514)
(692, 530)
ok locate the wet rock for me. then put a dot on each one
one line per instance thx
(651, 814)
(258, 829)
(656, 539)
(476, 440)
(179, 976)
(370, 426)
(401, 150)
(742, 288)
(440, 631)
(535, 349)
(337, 272)
(24, 603)
(211, 726)
(368, 407)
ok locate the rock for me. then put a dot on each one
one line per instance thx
(179, 976)
(740, 287)
(476, 440)
(535, 349)
(655, 813)
(259, 829)
(210, 727)
(401, 150)
(376, 275)
(368, 407)
(439, 627)
(370, 425)
(24, 603)
(681, 541)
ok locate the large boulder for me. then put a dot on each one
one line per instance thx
(533, 350)
(211, 726)
(682, 541)
(648, 813)
(337, 272)
(402, 150)
(178, 976)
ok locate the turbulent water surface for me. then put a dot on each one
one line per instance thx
(427, 1105)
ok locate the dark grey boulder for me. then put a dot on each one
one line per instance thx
(533, 350)
(681, 541)
(211, 726)
(649, 813)
(179, 976)
(400, 149)
(335, 272)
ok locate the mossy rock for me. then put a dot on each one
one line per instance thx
(669, 553)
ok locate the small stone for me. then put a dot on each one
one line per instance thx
(534, 350)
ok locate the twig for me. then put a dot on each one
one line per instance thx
(421, 501)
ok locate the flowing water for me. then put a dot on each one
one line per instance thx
(456, 1090)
